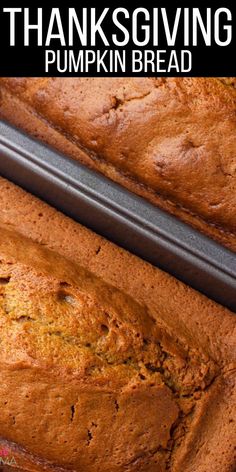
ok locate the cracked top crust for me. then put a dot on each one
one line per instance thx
(94, 377)
(171, 140)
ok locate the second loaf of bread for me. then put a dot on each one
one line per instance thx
(106, 363)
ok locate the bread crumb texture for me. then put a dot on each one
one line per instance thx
(91, 380)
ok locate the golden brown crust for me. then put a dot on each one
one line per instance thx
(184, 157)
(90, 359)
(70, 274)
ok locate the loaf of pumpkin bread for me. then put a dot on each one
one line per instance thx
(170, 140)
(107, 364)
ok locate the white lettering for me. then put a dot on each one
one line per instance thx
(96, 26)
(55, 20)
(171, 38)
(227, 28)
(12, 12)
(120, 27)
(38, 27)
(50, 57)
(144, 28)
(73, 21)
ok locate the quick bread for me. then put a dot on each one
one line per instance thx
(107, 363)
(170, 140)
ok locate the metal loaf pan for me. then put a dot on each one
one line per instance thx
(119, 215)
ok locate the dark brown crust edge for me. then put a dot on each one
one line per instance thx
(24, 461)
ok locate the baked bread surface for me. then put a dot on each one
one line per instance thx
(171, 140)
(107, 364)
